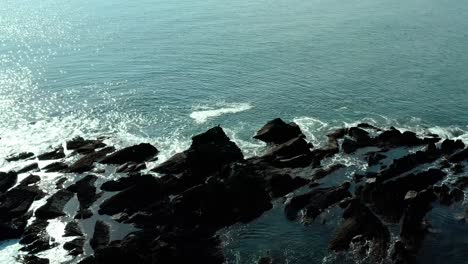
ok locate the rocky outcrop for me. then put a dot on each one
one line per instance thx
(86, 193)
(86, 163)
(54, 205)
(315, 201)
(138, 154)
(101, 236)
(7, 180)
(20, 156)
(57, 153)
(277, 131)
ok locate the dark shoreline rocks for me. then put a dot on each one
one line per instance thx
(211, 186)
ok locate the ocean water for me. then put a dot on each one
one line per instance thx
(161, 71)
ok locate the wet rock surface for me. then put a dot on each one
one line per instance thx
(178, 215)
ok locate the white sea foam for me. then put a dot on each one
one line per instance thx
(206, 112)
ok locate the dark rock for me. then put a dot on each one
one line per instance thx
(78, 142)
(86, 162)
(31, 179)
(43, 243)
(400, 255)
(54, 205)
(75, 247)
(457, 195)
(131, 167)
(459, 156)
(374, 158)
(147, 190)
(86, 193)
(323, 172)
(282, 184)
(138, 153)
(359, 220)
(120, 184)
(360, 135)
(388, 197)
(461, 182)
(209, 152)
(54, 154)
(291, 148)
(368, 126)
(59, 183)
(33, 232)
(89, 260)
(101, 236)
(7, 180)
(409, 162)
(412, 231)
(174, 165)
(32, 259)
(30, 167)
(55, 167)
(350, 145)
(20, 156)
(449, 146)
(316, 201)
(277, 131)
(15, 203)
(457, 168)
(72, 229)
(300, 161)
(338, 133)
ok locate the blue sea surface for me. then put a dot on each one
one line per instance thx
(160, 71)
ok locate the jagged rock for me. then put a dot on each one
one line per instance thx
(75, 247)
(31, 179)
(457, 195)
(174, 165)
(338, 133)
(449, 146)
(131, 167)
(86, 193)
(20, 156)
(400, 255)
(33, 232)
(282, 184)
(32, 259)
(459, 156)
(43, 243)
(86, 162)
(90, 260)
(55, 167)
(277, 131)
(72, 229)
(120, 184)
(138, 153)
(461, 182)
(146, 190)
(59, 183)
(315, 201)
(323, 172)
(409, 162)
(51, 155)
(368, 126)
(457, 168)
(29, 167)
(412, 230)
(374, 158)
(299, 161)
(387, 197)
(291, 148)
(54, 205)
(359, 220)
(209, 152)
(79, 142)
(101, 236)
(7, 180)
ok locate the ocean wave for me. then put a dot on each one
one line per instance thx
(207, 112)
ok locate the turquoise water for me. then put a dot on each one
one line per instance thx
(161, 71)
